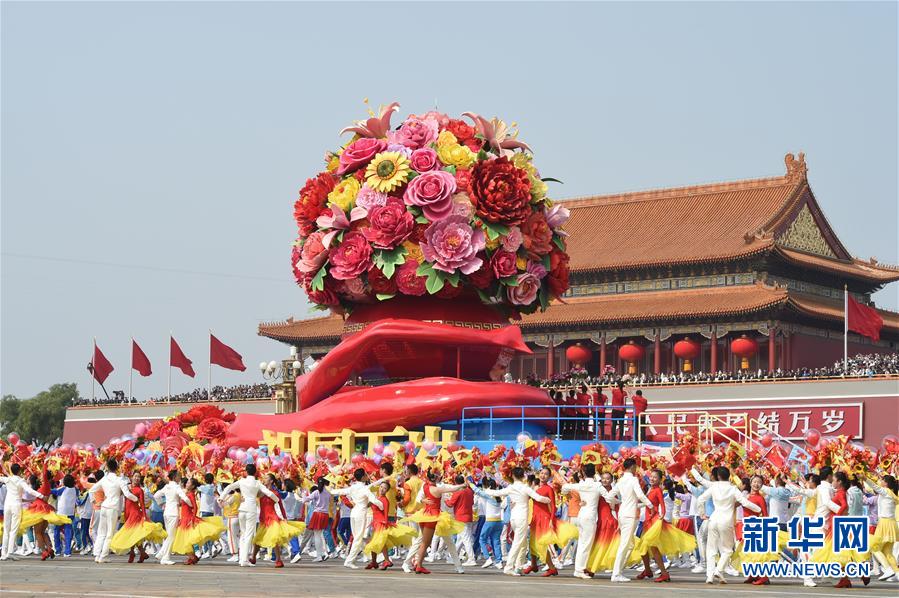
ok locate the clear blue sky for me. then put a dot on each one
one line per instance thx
(172, 138)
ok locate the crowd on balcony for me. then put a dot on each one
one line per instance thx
(241, 392)
(859, 366)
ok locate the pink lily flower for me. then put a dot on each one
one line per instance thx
(374, 127)
(338, 221)
(497, 135)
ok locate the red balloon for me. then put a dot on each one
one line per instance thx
(333, 456)
(322, 451)
(767, 440)
(13, 438)
(812, 437)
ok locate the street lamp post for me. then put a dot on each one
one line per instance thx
(283, 374)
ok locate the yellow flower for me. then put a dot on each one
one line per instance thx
(387, 171)
(344, 194)
(521, 263)
(446, 138)
(538, 188)
(191, 431)
(333, 163)
(523, 161)
(456, 155)
(413, 251)
(493, 243)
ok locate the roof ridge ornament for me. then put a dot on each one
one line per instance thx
(796, 168)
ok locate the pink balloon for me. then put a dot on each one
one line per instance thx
(115, 440)
(140, 429)
(310, 459)
(356, 459)
(428, 445)
(387, 454)
(65, 448)
(240, 455)
(333, 456)
(13, 438)
(410, 446)
(378, 449)
(90, 447)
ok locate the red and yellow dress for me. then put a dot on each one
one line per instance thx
(194, 530)
(546, 529)
(40, 510)
(385, 533)
(605, 543)
(431, 516)
(759, 557)
(136, 528)
(826, 554)
(272, 530)
(658, 533)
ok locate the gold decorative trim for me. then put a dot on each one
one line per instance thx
(803, 234)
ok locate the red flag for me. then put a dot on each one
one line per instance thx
(178, 359)
(223, 355)
(101, 366)
(863, 319)
(139, 360)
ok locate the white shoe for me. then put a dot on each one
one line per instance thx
(731, 571)
(487, 563)
(697, 569)
(351, 565)
(809, 583)
(166, 562)
(512, 573)
(407, 568)
(581, 575)
(460, 570)
(470, 563)
(619, 579)
(709, 580)
(886, 575)
(567, 562)
(296, 558)
(204, 555)
(499, 565)
(720, 579)
(234, 558)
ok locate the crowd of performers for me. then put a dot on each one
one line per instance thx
(527, 519)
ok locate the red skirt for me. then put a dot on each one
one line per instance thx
(318, 520)
(685, 524)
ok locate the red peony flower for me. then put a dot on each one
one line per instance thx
(465, 134)
(503, 263)
(500, 191)
(169, 429)
(327, 296)
(463, 180)
(212, 428)
(482, 278)
(538, 236)
(408, 282)
(155, 428)
(389, 225)
(312, 200)
(379, 283)
(449, 291)
(557, 278)
(351, 258)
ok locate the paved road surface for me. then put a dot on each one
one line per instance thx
(80, 576)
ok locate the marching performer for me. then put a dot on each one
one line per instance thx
(628, 492)
(386, 534)
(113, 487)
(194, 530)
(137, 528)
(248, 512)
(170, 496)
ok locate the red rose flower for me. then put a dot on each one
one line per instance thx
(465, 134)
(408, 282)
(389, 225)
(359, 153)
(537, 236)
(557, 278)
(379, 283)
(503, 263)
(212, 428)
(500, 191)
(312, 200)
(482, 278)
(169, 429)
(463, 180)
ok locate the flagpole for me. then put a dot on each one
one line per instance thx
(845, 330)
(209, 387)
(169, 387)
(93, 375)
(131, 374)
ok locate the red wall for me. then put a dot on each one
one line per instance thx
(814, 351)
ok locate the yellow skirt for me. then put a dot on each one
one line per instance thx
(669, 540)
(740, 556)
(886, 532)
(30, 519)
(208, 529)
(278, 533)
(599, 553)
(826, 554)
(446, 525)
(565, 532)
(390, 537)
(130, 536)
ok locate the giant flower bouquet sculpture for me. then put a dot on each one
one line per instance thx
(437, 206)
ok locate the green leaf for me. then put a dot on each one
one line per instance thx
(559, 242)
(549, 179)
(450, 169)
(422, 220)
(435, 282)
(318, 281)
(387, 260)
(546, 262)
(482, 155)
(509, 281)
(383, 297)
(319, 308)
(412, 174)
(424, 269)
(543, 295)
(495, 230)
(453, 278)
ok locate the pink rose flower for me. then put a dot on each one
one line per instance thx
(359, 153)
(352, 289)
(351, 258)
(389, 225)
(503, 263)
(313, 254)
(462, 206)
(369, 197)
(439, 117)
(407, 281)
(424, 160)
(512, 240)
(526, 291)
(415, 133)
(433, 193)
(451, 244)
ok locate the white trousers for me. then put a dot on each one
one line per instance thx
(233, 526)
(357, 526)
(95, 531)
(171, 526)
(247, 521)
(519, 543)
(626, 528)
(586, 533)
(109, 520)
(416, 544)
(466, 539)
(11, 519)
(702, 537)
(720, 542)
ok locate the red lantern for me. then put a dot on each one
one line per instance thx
(687, 349)
(631, 353)
(744, 347)
(578, 354)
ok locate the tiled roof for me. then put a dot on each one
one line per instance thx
(658, 305)
(833, 310)
(856, 268)
(326, 329)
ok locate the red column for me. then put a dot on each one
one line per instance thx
(714, 366)
(602, 354)
(550, 359)
(657, 357)
(772, 349)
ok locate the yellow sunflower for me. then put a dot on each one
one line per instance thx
(387, 171)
